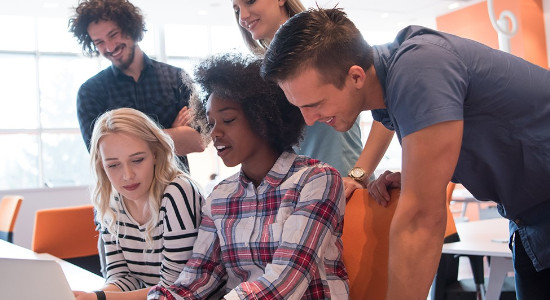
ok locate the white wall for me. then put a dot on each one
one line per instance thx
(36, 199)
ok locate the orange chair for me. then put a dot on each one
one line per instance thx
(450, 189)
(9, 210)
(68, 233)
(451, 235)
(366, 239)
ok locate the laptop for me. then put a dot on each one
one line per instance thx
(31, 279)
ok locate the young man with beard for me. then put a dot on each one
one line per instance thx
(113, 28)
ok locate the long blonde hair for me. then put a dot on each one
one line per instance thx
(134, 123)
(258, 47)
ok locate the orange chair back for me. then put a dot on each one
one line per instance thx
(450, 189)
(366, 239)
(450, 230)
(9, 210)
(366, 244)
(65, 232)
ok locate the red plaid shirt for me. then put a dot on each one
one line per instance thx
(281, 240)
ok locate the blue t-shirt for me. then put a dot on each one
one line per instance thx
(431, 77)
(338, 149)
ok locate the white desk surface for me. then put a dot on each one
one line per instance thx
(462, 194)
(486, 238)
(79, 279)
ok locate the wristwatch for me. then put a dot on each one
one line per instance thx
(357, 174)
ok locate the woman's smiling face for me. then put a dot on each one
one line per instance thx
(233, 138)
(261, 18)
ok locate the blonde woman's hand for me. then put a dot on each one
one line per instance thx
(79, 295)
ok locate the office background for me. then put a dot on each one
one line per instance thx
(42, 155)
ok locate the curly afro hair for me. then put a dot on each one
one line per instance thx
(128, 18)
(237, 77)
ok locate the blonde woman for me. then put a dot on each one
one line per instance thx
(258, 22)
(148, 209)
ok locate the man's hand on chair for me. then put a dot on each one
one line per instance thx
(378, 188)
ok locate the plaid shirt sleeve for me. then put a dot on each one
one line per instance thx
(315, 224)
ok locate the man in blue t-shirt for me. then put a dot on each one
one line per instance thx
(462, 112)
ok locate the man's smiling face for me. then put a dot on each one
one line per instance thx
(323, 102)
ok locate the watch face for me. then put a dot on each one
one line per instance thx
(357, 173)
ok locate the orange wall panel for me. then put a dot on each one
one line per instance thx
(473, 22)
(533, 35)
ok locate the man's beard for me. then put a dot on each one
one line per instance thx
(125, 64)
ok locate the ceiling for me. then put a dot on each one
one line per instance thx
(387, 15)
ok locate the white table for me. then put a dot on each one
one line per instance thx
(486, 238)
(462, 195)
(79, 279)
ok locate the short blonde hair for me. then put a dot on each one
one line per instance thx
(134, 123)
(258, 47)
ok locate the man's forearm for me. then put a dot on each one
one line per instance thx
(415, 249)
(377, 143)
(418, 226)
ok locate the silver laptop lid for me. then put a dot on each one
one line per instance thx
(31, 279)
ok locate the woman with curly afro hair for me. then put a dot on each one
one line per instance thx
(236, 78)
(271, 231)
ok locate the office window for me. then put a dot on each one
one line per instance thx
(18, 108)
(60, 77)
(19, 161)
(42, 69)
(187, 40)
(65, 159)
(53, 36)
(148, 44)
(18, 33)
(227, 38)
(41, 73)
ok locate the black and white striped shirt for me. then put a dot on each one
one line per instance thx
(131, 263)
